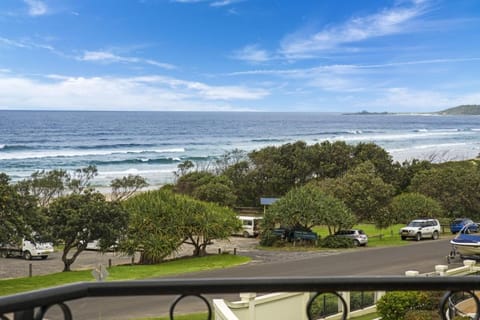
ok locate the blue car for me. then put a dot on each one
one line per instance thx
(459, 223)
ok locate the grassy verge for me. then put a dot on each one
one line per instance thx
(126, 272)
(376, 237)
(370, 316)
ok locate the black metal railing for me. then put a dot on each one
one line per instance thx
(34, 305)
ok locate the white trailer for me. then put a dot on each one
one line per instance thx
(26, 249)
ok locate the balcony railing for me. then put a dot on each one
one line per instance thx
(34, 305)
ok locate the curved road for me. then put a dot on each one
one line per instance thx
(421, 256)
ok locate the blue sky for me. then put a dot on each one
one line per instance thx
(239, 55)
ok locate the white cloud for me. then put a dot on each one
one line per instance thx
(340, 78)
(12, 43)
(212, 3)
(36, 7)
(108, 57)
(414, 100)
(252, 54)
(386, 22)
(116, 93)
(223, 3)
(188, 1)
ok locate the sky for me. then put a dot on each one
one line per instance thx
(239, 55)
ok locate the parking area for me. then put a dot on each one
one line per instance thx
(18, 267)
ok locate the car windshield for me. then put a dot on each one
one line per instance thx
(416, 224)
(361, 232)
(458, 221)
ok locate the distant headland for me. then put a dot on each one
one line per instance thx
(364, 112)
(466, 110)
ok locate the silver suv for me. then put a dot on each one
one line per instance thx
(420, 229)
(358, 236)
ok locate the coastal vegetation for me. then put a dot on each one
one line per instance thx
(470, 109)
(161, 221)
(333, 184)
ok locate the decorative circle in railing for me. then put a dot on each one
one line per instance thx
(460, 305)
(323, 304)
(67, 314)
(209, 307)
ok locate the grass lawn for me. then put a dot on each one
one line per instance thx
(366, 317)
(376, 237)
(126, 272)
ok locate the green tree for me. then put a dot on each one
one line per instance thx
(408, 206)
(228, 159)
(217, 192)
(154, 224)
(125, 187)
(79, 218)
(204, 222)
(244, 182)
(278, 169)
(184, 168)
(161, 221)
(45, 185)
(189, 182)
(308, 206)
(207, 187)
(455, 185)
(80, 179)
(331, 159)
(379, 157)
(407, 170)
(362, 190)
(48, 185)
(19, 214)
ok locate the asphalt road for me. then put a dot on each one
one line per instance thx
(421, 256)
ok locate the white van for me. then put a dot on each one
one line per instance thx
(250, 226)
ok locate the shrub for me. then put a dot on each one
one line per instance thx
(336, 242)
(395, 305)
(269, 239)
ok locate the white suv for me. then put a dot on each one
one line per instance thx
(421, 228)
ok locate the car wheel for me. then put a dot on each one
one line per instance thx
(27, 255)
(356, 243)
(3, 254)
(418, 236)
(435, 235)
(44, 257)
(404, 238)
(246, 234)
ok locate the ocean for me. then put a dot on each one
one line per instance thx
(152, 144)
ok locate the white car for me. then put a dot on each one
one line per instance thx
(421, 229)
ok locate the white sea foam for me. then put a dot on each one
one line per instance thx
(428, 146)
(2, 146)
(402, 136)
(81, 153)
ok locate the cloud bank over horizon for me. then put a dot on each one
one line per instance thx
(395, 56)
